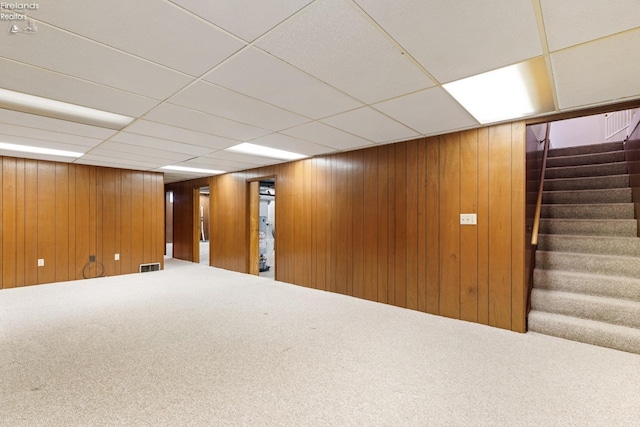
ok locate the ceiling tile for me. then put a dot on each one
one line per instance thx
(267, 78)
(108, 161)
(160, 144)
(295, 145)
(151, 29)
(46, 123)
(224, 155)
(218, 164)
(222, 102)
(430, 112)
(247, 19)
(599, 72)
(103, 152)
(136, 151)
(33, 156)
(332, 41)
(57, 50)
(36, 81)
(327, 136)
(33, 142)
(46, 135)
(570, 22)
(202, 122)
(371, 124)
(172, 133)
(453, 39)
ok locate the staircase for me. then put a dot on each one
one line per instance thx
(586, 284)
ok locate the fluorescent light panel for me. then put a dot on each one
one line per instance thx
(507, 93)
(38, 150)
(192, 170)
(262, 151)
(61, 110)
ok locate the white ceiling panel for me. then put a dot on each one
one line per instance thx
(570, 22)
(289, 143)
(172, 133)
(599, 72)
(430, 112)
(136, 150)
(105, 153)
(262, 76)
(46, 123)
(222, 102)
(33, 142)
(218, 164)
(151, 29)
(37, 81)
(57, 50)
(247, 19)
(33, 156)
(371, 124)
(46, 135)
(240, 158)
(160, 144)
(453, 39)
(327, 136)
(202, 122)
(332, 41)
(108, 161)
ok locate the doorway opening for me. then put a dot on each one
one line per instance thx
(168, 224)
(203, 225)
(262, 226)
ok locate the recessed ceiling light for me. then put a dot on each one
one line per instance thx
(61, 110)
(511, 92)
(262, 151)
(192, 170)
(38, 150)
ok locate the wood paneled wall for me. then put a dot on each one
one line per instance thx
(632, 152)
(383, 224)
(63, 213)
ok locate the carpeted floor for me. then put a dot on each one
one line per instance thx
(195, 345)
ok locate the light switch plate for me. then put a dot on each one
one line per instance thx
(116, 257)
(468, 219)
(40, 262)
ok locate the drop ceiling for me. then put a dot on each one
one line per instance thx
(313, 77)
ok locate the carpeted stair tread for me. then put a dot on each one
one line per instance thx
(605, 169)
(587, 183)
(610, 195)
(589, 227)
(590, 284)
(586, 149)
(589, 211)
(588, 263)
(586, 159)
(599, 245)
(586, 331)
(610, 310)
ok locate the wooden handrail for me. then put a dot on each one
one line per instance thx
(536, 218)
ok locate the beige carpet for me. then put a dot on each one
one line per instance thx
(194, 345)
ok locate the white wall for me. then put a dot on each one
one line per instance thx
(580, 131)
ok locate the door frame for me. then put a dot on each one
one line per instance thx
(253, 227)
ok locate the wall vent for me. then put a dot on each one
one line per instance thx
(152, 266)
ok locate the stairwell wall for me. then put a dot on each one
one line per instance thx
(632, 153)
(383, 224)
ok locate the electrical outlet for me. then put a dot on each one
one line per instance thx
(468, 219)
(116, 257)
(92, 258)
(40, 262)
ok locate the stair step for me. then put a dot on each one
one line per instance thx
(587, 183)
(619, 168)
(590, 284)
(586, 159)
(599, 245)
(610, 195)
(585, 331)
(614, 265)
(590, 227)
(589, 211)
(586, 149)
(610, 310)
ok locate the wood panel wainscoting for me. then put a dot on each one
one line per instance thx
(632, 153)
(383, 224)
(63, 213)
